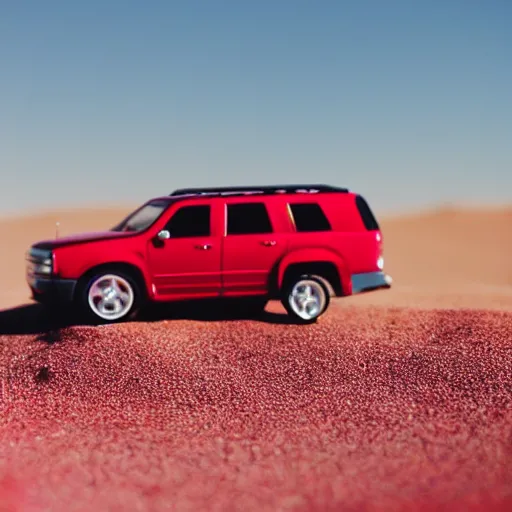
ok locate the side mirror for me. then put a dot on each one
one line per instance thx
(164, 235)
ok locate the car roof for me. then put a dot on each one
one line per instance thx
(248, 191)
(262, 190)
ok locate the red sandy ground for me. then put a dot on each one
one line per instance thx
(379, 406)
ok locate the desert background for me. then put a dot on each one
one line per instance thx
(443, 257)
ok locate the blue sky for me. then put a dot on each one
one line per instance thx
(409, 103)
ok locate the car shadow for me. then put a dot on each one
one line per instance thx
(33, 319)
(210, 310)
(40, 320)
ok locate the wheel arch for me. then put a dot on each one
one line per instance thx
(122, 266)
(324, 264)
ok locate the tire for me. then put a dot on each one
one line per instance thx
(303, 306)
(109, 296)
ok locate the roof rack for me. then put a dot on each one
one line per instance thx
(264, 190)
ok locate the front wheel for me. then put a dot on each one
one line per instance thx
(305, 298)
(109, 297)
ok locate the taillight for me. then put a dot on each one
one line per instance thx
(380, 257)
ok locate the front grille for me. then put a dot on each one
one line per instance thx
(39, 263)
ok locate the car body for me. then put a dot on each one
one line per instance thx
(257, 243)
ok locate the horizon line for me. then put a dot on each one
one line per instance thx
(432, 207)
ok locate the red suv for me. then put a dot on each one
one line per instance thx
(299, 244)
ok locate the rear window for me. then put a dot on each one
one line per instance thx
(309, 217)
(369, 220)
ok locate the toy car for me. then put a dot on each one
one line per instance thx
(300, 244)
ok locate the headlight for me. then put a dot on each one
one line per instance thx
(42, 268)
(380, 262)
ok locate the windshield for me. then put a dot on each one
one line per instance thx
(143, 218)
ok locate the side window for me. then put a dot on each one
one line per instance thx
(248, 218)
(309, 217)
(190, 221)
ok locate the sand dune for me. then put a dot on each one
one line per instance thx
(444, 258)
(374, 408)
(370, 409)
(448, 258)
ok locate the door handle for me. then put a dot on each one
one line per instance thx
(203, 247)
(269, 243)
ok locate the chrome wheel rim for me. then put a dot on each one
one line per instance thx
(307, 299)
(111, 297)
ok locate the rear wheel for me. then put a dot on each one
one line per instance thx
(109, 296)
(305, 298)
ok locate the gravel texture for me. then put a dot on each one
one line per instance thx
(372, 408)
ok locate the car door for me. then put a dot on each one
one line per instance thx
(187, 264)
(251, 247)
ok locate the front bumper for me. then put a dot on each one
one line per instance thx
(52, 289)
(370, 281)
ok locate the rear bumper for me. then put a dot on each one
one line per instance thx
(370, 281)
(52, 290)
